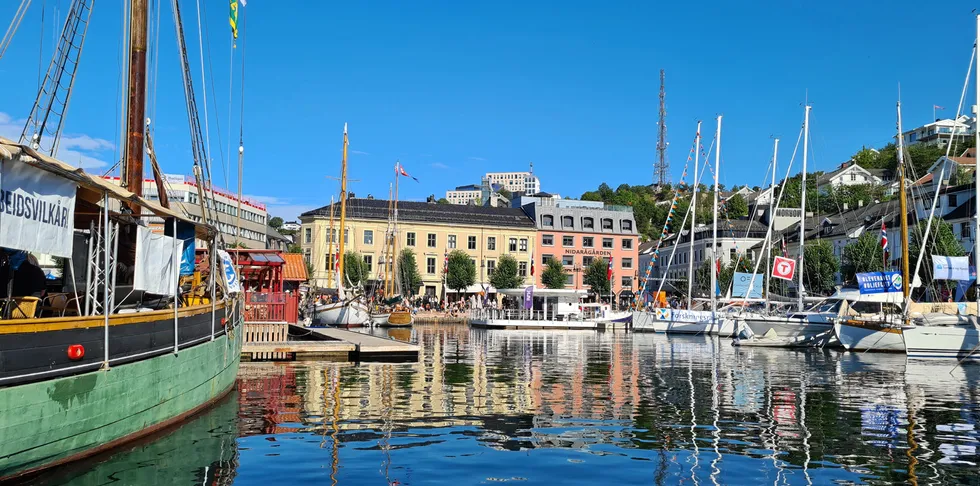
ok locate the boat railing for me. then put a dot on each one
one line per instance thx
(520, 315)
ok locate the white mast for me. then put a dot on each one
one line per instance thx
(976, 183)
(714, 223)
(694, 218)
(772, 216)
(799, 266)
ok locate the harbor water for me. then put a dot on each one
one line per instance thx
(572, 407)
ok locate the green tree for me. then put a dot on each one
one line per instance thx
(442, 200)
(820, 266)
(408, 273)
(596, 278)
(292, 248)
(355, 269)
(863, 255)
(702, 275)
(554, 275)
(505, 193)
(309, 270)
(461, 271)
(941, 241)
(504, 275)
(737, 207)
(275, 222)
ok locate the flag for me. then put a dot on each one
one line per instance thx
(244, 3)
(609, 272)
(400, 169)
(884, 236)
(937, 107)
(445, 267)
(233, 18)
(785, 253)
(532, 264)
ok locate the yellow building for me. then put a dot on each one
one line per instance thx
(431, 230)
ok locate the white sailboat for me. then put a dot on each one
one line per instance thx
(349, 310)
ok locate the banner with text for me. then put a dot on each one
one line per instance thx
(740, 285)
(950, 268)
(682, 315)
(232, 284)
(879, 282)
(37, 210)
(528, 296)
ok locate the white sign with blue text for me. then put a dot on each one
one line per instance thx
(232, 284)
(682, 315)
(37, 210)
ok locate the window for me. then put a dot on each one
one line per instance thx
(567, 241)
(512, 246)
(309, 235)
(306, 255)
(952, 202)
(588, 241)
(568, 260)
(524, 244)
(588, 223)
(627, 243)
(607, 224)
(330, 263)
(626, 282)
(548, 220)
(432, 240)
(546, 258)
(491, 266)
(345, 236)
(627, 263)
(567, 222)
(548, 240)
(430, 265)
(333, 236)
(607, 242)
(491, 243)
(368, 259)
(522, 269)
(854, 177)
(570, 279)
(471, 242)
(410, 239)
(587, 260)
(626, 225)
(368, 237)
(451, 242)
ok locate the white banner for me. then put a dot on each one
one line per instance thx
(232, 284)
(37, 210)
(155, 260)
(681, 315)
(950, 268)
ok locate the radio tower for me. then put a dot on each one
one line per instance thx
(661, 169)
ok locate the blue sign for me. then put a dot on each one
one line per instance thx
(740, 285)
(528, 296)
(879, 282)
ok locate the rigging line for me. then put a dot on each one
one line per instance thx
(152, 113)
(241, 102)
(204, 81)
(214, 101)
(231, 92)
(40, 45)
(122, 84)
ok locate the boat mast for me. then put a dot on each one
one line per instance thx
(330, 240)
(694, 217)
(806, 138)
(394, 241)
(772, 217)
(136, 105)
(903, 208)
(714, 222)
(343, 211)
(976, 180)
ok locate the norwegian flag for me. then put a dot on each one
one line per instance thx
(400, 170)
(884, 236)
(609, 271)
(336, 261)
(532, 264)
(445, 264)
(785, 253)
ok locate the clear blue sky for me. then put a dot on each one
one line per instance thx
(455, 89)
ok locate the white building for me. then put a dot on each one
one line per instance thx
(848, 174)
(290, 226)
(470, 194)
(525, 182)
(940, 131)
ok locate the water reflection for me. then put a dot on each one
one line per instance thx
(575, 407)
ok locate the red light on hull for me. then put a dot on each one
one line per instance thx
(76, 352)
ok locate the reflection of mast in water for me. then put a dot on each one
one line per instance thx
(769, 435)
(715, 431)
(386, 409)
(806, 430)
(335, 417)
(913, 445)
(694, 423)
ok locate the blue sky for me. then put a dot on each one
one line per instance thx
(455, 89)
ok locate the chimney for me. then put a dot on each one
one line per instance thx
(370, 197)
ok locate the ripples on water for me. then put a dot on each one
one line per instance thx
(574, 407)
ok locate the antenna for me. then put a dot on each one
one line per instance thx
(661, 169)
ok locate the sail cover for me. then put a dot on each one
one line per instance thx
(37, 210)
(155, 261)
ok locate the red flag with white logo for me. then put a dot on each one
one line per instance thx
(784, 268)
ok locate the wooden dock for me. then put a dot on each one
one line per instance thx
(268, 341)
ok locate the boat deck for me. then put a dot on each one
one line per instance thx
(330, 344)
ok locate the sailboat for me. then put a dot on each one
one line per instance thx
(882, 332)
(131, 353)
(948, 334)
(399, 316)
(349, 310)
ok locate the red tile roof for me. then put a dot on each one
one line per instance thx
(295, 269)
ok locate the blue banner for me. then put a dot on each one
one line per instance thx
(528, 296)
(879, 282)
(740, 285)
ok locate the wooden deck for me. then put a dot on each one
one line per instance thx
(367, 346)
(281, 341)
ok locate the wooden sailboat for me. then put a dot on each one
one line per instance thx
(129, 363)
(400, 316)
(349, 310)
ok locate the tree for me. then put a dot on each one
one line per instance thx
(505, 193)
(863, 255)
(309, 270)
(819, 267)
(355, 269)
(737, 207)
(293, 248)
(702, 276)
(275, 222)
(554, 275)
(461, 271)
(941, 242)
(408, 273)
(505, 274)
(442, 200)
(596, 277)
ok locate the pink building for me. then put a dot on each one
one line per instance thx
(579, 232)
